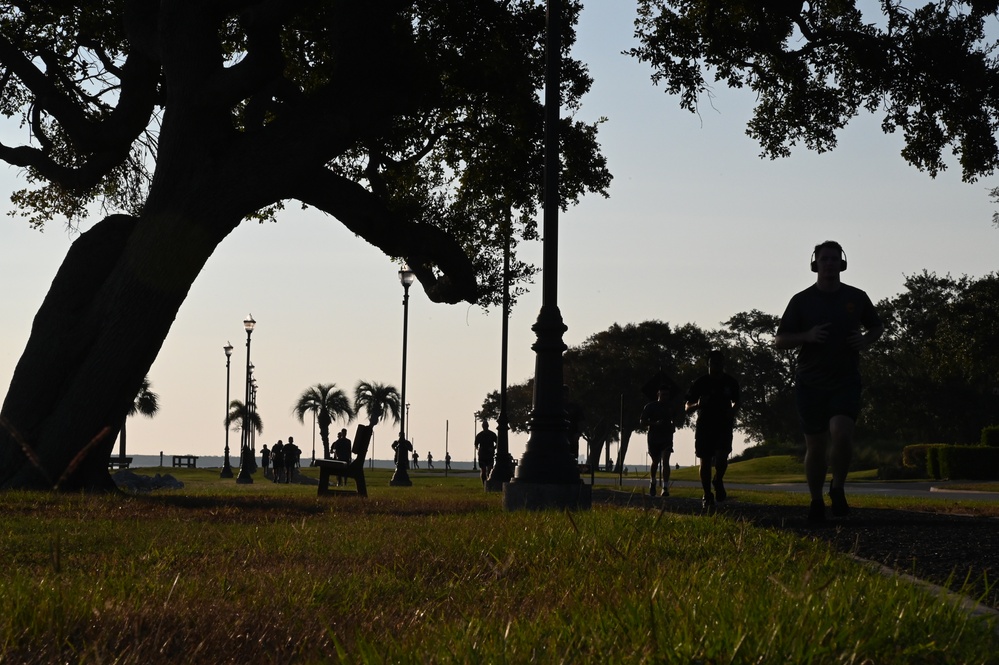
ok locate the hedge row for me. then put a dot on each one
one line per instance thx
(941, 460)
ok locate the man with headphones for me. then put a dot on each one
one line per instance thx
(832, 322)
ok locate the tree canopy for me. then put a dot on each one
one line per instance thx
(417, 124)
(929, 68)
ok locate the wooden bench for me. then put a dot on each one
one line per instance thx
(185, 461)
(353, 469)
(119, 462)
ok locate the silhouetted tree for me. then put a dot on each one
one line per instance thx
(327, 403)
(405, 121)
(146, 403)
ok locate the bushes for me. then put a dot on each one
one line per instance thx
(969, 462)
(938, 460)
(990, 436)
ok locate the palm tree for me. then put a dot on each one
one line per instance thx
(378, 400)
(327, 403)
(240, 418)
(147, 403)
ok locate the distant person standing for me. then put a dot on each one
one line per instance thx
(485, 450)
(265, 460)
(277, 461)
(430, 460)
(832, 322)
(292, 454)
(447, 461)
(341, 453)
(402, 447)
(715, 399)
(660, 417)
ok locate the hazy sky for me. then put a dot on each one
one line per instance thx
(697, 228)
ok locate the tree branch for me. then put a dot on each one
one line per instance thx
(439, 262)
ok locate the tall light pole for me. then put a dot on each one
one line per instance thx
(407, 416)
(547, 476)
(245, 458)
(401, 475)
(226, 467)
(502, 470)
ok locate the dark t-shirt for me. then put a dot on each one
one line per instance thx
(718, 397)
(341, 449)
(831, 364)
(485, 443)
(659, 417)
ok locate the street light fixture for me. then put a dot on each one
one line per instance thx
(226, 467)
(245, 476)
(401, 475)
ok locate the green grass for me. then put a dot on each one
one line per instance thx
(438, 573)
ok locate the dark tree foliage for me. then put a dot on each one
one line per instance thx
(934, 376)
(605, 376)
(765, 375)
(928, 67)
(415, 123)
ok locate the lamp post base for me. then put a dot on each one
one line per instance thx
(226, 470)
(245, 476)
(400, 478)
(501, 474)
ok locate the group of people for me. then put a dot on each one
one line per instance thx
(715, 399)
(430, 460)
(830, 323)
(281, 460)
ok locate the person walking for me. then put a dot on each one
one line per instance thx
(430, 460)
(265, 460)
(447, 461)
(277, 461)
(661, 417)
(485, 450)
(341, 453)
(715, 399)
(292, 455)
(832, 323)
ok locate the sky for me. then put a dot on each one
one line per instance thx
(697, 228)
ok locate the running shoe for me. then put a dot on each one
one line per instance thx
(720, 492)
(652, 488)
(817, 512)
(708, 502)
(839, 505)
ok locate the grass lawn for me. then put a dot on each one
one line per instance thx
(438, 572)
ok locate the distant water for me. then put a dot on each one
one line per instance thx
(216, 461)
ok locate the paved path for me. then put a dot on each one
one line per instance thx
(925, 489)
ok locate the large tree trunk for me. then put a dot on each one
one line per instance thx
(625, 440)
(95, 337)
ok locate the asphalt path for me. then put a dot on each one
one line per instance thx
(919, 489)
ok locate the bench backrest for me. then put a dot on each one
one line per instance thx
(362, 438)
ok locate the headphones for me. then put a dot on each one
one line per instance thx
(826, 245)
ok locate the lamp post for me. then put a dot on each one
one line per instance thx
(401, 475)
(407, 418)
(547, 476)
(226, 467)
(245, 459)
(253, 415)
(502, 471)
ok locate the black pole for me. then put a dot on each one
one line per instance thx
(245, 476)
(547, 459)
(226, 466)
(401, 475)
(502, 472)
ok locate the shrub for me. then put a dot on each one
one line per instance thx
(968, 462)
(990, 436)
(917, 458)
